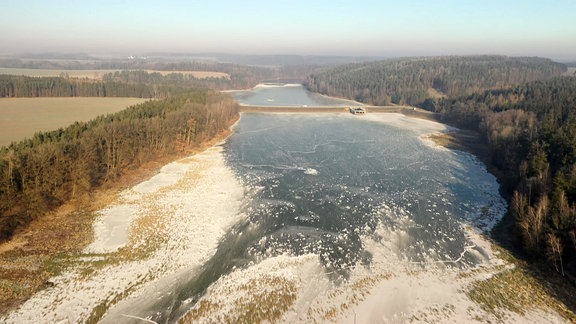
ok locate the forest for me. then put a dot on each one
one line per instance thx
(530, 130)
(52, 168)
(421, 81)
(23, 86)
(133, 83)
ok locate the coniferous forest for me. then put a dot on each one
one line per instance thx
(530, 130)
(24, 86)
(43, 172)
(416, 81)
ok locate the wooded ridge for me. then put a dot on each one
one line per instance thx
(126, 83)
(531, 132)
(149, 78)
(41, 173)
(23, 86)
(416, 81)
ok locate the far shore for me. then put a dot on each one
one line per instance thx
(97, 74)
(406, 110)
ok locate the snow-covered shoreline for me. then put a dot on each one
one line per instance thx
(183, 212)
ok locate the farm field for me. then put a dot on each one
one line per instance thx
(21, 118)
(97, 74)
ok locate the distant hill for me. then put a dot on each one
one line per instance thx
(418, 81)
(245, 70)
(288, 60)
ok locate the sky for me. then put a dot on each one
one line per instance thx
(304, 27)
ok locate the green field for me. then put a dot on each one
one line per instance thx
(22, 117)
(97, 74)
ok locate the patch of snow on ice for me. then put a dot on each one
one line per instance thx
(420, 126)
(311, 171)
(111, 228)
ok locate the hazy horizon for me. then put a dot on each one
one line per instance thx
(334, 28)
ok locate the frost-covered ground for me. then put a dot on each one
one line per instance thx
(165, 225)
(162, 231)
(392, 290)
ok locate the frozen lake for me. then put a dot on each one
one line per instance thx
(333, 201)
(344, 191)
(286, 95)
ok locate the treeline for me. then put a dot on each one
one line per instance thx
(133, 83)
(23, 86)
(241, 76)
(178, 79)
(531, 132)
(133, 71)
(43, 172)
(142, 77)
(420, 81)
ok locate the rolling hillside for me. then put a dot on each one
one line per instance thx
(419, 81)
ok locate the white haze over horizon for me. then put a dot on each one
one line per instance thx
(341, 28)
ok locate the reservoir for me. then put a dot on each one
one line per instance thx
(335, 205)
(286, 95)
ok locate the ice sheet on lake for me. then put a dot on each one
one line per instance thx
(384, 215)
